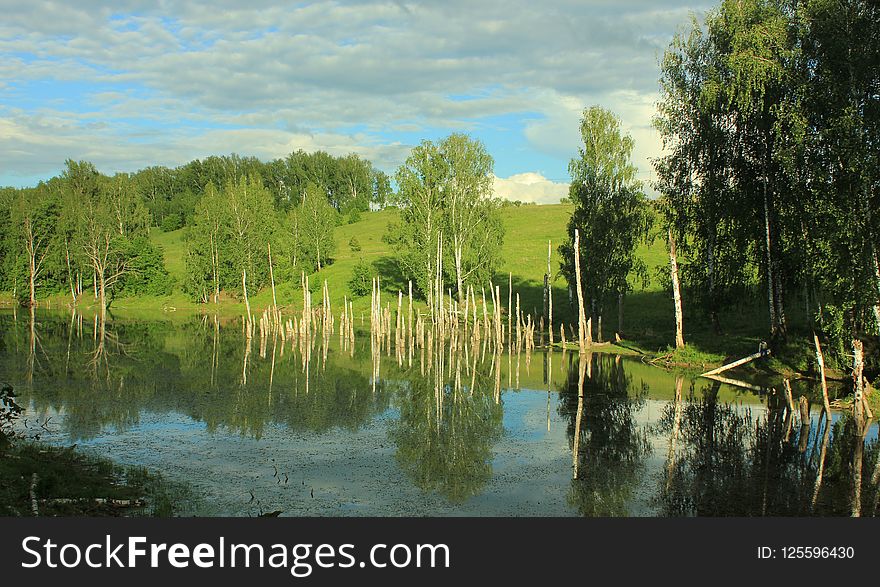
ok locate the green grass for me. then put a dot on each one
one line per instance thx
(174, 249)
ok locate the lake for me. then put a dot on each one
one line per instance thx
(262, 425)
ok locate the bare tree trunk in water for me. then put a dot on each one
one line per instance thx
(858, 456)
(247, 303)
(825, 436)
(676, 426)
(820, 360)
(550, 294)
(582, 368)
(582, 319)
(676, 292)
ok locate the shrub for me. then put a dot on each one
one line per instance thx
(361, 281)
(171, 222)
(354, 244)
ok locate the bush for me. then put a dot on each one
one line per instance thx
(354, 216)
(147, 273)
(171, 222)
(361, 281)
(354, 244)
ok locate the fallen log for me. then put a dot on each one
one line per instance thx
(121, 503)
(762, 352)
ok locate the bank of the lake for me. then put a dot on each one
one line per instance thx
(39, 479)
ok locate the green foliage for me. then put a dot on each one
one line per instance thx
(171, 222)
(361, 281)
(611, 213)
(770, 114)
(147, 274)
(446, 189)
(314, 225)
(354, 244)
(382, 192)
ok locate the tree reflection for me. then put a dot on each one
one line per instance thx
(446, 430)
(609, 448)
(731, 461)
(106, 376)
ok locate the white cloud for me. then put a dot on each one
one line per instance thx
(559, 133)
(307, 74)
(529, 187)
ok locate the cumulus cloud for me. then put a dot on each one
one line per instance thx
(529, 187)
(360, 75)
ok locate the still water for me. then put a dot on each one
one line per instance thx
(260, 427)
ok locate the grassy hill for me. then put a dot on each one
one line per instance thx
(527, 232)
(648, 315)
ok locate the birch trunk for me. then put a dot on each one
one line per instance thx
(769, 259)
(582, 319)
(858, 381)
(676, 293)
(272, 278)
(247, 303)
(820, 360)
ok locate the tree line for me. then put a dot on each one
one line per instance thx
(769, 113)
(83, 230)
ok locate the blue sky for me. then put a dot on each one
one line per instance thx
(132, 83)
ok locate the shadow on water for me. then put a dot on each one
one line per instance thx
(430, 431)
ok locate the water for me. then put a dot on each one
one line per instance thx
(258, 429)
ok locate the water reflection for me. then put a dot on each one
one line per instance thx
(609, 447)
(728, 460)
(446, 428)
(612, 436)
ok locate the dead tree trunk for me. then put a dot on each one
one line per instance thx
(549, 294)
(676, 292)
(582, 319)
(858, 382)
(820, 360)
(247, 303)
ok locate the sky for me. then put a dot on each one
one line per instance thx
(131, 83)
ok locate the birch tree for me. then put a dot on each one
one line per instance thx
(446, 203)
(35, 214)
(251, 225)
(205, 240)
(313, 226)
(611, 212)
(470, 212)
